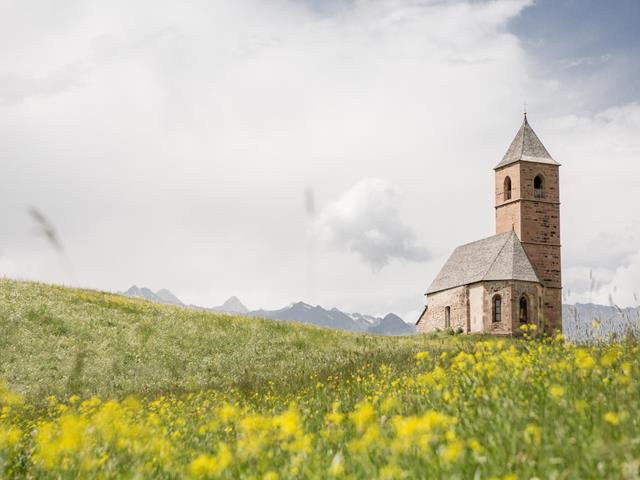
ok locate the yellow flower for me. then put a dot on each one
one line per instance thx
(226, 412)
(270, 476)
(556, 391)
(205, 465)
(362, 415)
(288, 422)
(533, 434)
(584, 361)
(9, 436)
(368, 439)
(475, 446)
(391, 472)
(611, 418)
(452, 451)
(609, 358)
(421, 356)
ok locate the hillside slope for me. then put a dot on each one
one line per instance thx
(60, 341)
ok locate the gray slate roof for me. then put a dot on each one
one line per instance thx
(526, 146)
(500, 257)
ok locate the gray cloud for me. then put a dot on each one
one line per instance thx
(365, 220)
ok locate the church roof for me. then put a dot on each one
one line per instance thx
(500, 257)
(526, 146)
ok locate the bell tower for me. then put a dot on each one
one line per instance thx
(528, 202)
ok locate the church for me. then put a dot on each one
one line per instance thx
(497, 284)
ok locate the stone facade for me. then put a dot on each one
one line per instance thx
(471, 308)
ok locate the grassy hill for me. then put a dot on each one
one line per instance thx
(101, 386)
(64, 341)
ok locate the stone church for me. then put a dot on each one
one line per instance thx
(497, 284)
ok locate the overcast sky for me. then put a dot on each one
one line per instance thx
(327, 151)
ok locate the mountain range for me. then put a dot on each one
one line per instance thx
(580, 322)
(301, 312)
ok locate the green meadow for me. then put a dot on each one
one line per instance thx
(95, 385)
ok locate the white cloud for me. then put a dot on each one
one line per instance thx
(169, 143)
(365, 220)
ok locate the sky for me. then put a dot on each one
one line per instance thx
(334, 152)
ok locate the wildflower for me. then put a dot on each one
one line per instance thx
(611, 418)
(533, 434)
(609, 358)
(368, 439)
(205, 465)
(451, 451)
(226, 413)
(475, 446)
(9, 436)
(422, 356)
(556, 391)
(362, 415)
(391, 472)
(584, 361)
(288, 422)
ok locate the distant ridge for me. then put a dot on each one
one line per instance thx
(161, 296)
(232, 305)
(580, 322)
(299, 312)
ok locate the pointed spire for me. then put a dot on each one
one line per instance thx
(526, 146)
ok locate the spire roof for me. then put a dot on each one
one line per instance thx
(526, 146)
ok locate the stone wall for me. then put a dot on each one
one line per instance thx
(552, 311)
(472, 307)
(505, 290)
(456, 299)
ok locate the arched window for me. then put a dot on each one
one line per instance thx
(538, 186)
(497, 308)
(507, 188)
(447, 317)
(524, 310)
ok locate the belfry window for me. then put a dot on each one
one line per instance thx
(538, 185)
(524, 314)
(507, 189)
(497, 309)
